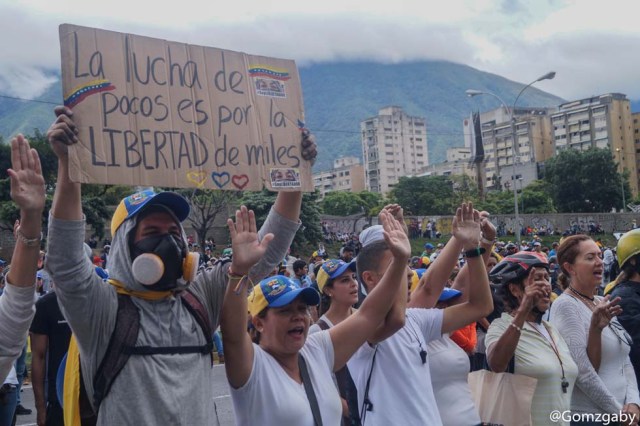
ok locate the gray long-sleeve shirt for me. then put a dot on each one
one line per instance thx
(16, 312)
(156, 389)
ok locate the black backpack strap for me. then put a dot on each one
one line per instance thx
(322, 324)
(199, 312)
(125, 334)
(367, 405)
(308, 388)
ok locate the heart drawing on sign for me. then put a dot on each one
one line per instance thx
(240, 181)
(220, 179)
(197, 177)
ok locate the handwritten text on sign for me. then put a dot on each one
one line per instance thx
(152, 112)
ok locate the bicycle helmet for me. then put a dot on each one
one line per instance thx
(628, 246)
(514, 267)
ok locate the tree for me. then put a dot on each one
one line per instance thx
(585, 181)
(536, 198)
(309, 234)
(341, 203)
(433, 195)
(206, 205)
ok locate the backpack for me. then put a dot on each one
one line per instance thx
(78, 410)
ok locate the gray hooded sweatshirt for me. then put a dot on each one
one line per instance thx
(156, 389)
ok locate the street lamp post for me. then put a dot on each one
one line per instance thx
(624, 201)
(471, 93)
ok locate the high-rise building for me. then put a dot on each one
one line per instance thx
(603, 121)
(394, 144)
(534, 145)
(347, 174)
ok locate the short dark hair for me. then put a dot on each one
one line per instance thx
(299, 264)
(369, 257)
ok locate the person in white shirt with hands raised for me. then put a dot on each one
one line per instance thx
(279, 380)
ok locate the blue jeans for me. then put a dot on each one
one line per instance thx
(8, 406)
(21, 369)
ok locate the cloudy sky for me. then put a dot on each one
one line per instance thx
(591, 44)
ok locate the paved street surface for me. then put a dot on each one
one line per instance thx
(222, 401)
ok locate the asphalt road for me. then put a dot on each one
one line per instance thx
(221, 399)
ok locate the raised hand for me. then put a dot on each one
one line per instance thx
(604, 311)
(63, 132)
(27, 183)
(487, 228)
(398, 214)
(394, 235)
(309, 147)
(247, 250)
(466, 226)
(534, 290)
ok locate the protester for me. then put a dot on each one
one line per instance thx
(520, 342)
(599, 345)
(50, 335)
(627, 287)
(169, 382)
(17, 299)
(267, 377)
(392, 376)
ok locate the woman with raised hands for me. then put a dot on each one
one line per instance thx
(600, 346)
(286, 379)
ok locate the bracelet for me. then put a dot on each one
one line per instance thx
(483, 240)
(516, 327)
(474, 252)
(231, 274)
(29, 242)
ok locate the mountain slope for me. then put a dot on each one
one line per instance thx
(338, 96)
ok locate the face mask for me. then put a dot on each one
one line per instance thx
(158, 261)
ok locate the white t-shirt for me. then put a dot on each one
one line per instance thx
(315, 327)
(449, 367)
(400, 389)
(534, 357)
(272, 397)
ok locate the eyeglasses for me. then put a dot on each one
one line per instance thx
(620, 333)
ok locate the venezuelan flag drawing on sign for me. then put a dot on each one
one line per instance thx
(80, 93)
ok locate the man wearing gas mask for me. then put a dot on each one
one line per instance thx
(166, 378)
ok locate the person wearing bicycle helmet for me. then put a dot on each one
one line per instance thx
(520, 342)
(627, 287)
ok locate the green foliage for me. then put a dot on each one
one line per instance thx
(426, 195)
(340, 203)
(309, 234)
(96, 213)
(585, 181)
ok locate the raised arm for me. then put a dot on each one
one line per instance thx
(395, 318)
(464, 279)
(247, 249)
(17, 301)
(284, 219)
(353, 332)
(465, 235)
(601, 317)
(63, 133)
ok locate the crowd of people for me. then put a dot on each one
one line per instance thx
(372, 336)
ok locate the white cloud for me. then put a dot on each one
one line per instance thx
(589, 43)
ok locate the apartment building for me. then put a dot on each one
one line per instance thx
(394, 144)
(532, 131)
(457, 163)
(603, 121)
(347, 174)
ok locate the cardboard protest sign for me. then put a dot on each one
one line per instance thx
(158, 113)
